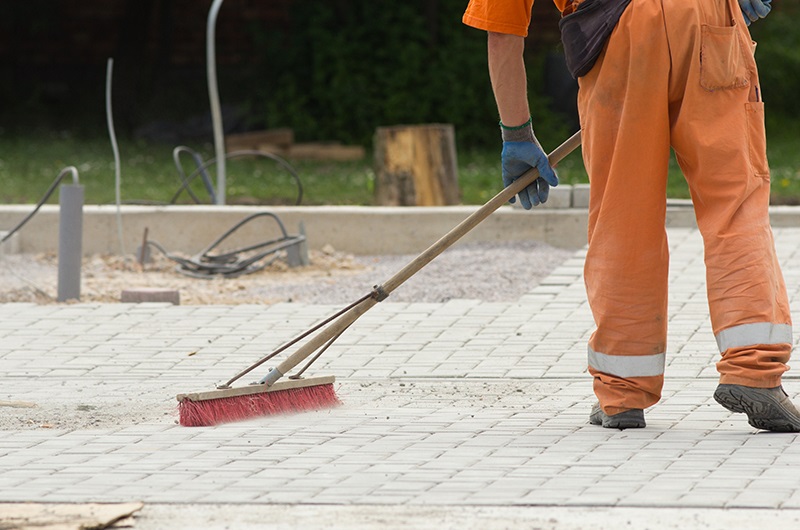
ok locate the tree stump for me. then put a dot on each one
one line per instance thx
(416, 165)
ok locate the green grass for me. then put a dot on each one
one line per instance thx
(148, 174)
(783, 149)
(30, 162)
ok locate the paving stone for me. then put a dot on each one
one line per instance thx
(458, 433)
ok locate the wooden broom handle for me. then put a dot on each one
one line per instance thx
(479, 216)
(423, 259)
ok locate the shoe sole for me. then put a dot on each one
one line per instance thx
(763, 411)
(625, 420)
(613, 423)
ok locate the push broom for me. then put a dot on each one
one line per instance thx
(272, 396)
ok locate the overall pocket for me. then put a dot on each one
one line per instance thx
(722, 64)
(757, 139)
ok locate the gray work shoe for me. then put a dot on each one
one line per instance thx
(766, 408)
(630, 419)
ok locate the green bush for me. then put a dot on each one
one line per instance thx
(778, 56)
(342, 68)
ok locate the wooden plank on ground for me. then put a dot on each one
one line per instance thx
(279, 138)
(326, 151)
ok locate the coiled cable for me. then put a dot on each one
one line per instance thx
(203, 165)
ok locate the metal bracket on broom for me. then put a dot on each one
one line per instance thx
(376, 293)
(340, 321)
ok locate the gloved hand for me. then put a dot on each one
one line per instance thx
(519, 157)
(754, 9)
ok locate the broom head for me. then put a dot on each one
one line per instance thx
(202, 409)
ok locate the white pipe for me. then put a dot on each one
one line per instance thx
(72, 170)
(115, 148)
(213, 95)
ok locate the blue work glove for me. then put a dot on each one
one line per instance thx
(519, 157)
(521, 152)
(754, 9)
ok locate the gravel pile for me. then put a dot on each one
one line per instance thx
(493, 272)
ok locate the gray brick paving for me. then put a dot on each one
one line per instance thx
(462, 403)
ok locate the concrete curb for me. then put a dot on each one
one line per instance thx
(359, 230)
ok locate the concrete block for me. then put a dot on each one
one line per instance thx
(145, 294)
(560, 197)
(580, 196)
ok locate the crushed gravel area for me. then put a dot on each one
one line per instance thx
(492, 272)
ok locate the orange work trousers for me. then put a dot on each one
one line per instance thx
(679, 74)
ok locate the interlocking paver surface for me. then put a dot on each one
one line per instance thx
(462, 403)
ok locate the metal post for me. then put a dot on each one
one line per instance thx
(70, 242)
(213, 96)
(297, 254)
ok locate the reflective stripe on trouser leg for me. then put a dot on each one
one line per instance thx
(754, 354)
(757, 333)
(628, 366)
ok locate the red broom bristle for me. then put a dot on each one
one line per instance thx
(237, 408)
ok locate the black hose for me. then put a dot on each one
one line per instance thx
(201, 167)
(185, 181)
(48, 193)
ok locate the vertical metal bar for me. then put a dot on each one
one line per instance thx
(115, 148)
(213, 96)
(70, 242)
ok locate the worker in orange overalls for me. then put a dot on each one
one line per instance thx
(655, 75)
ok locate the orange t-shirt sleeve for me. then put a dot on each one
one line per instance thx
(503, 16)
(499, 16)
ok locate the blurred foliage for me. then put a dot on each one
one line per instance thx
(342, 68)
(778, 56)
